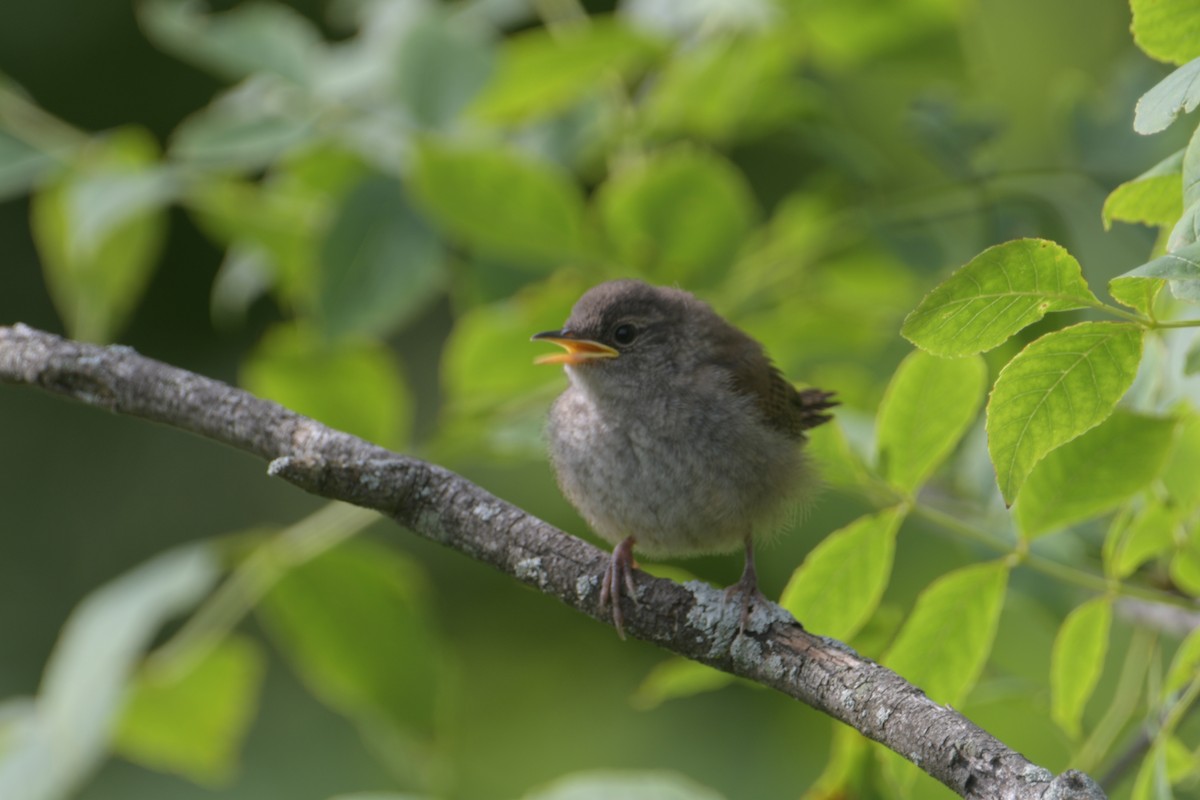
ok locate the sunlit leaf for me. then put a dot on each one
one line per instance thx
(1095, 472)
(1058, 387)
(1150, 201)
(1185, 665)
(1185, 567)
(1182, 473)
(955, 617)
(99, 228)
(1166, 29)
(85, 681)
(675, 678)
(351, 385)
(680, 215)
(927, 408)
(380, 264)
(1137, 293)
(254, 37)
(190, 716)
(1077, 662)
(842, 579)
(999, 292)
(502, 203)
(646, 785)
(541, 71)
(353, 624)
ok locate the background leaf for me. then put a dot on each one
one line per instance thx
(84, 684)
(351, 385)
(190, 715)
(679, 215)
(997, 293)
(504, 204)
(963, 607)
(353, 624)
(1058, 387)
(1095, 472)
(837, 588)
(99, 228)
(542, 71)
(1077, 662)
(380, 264)
(927, 407)
(646, 785)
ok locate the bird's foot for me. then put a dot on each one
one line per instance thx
(618, 580)
(747, 595)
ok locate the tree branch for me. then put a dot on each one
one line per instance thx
(691, 619)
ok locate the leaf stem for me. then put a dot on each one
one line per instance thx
(1046, 566)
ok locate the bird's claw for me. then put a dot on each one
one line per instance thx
(618, 580)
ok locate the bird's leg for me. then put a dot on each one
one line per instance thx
(747, 587)
(618, 578)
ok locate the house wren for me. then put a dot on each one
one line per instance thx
(677, 434)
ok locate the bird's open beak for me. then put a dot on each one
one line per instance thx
(577, 350)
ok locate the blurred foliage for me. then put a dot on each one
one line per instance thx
(400, 182)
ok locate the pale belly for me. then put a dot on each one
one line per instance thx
(686, 487)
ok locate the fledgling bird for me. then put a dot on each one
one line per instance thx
(677, 434)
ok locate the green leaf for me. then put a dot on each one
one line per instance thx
(1191, 360)
(259, 37)
(1095, 472)
(675, 678)
(726, 89)
(999, 292)
(380, 264)
(629, 785)
(441, 67)
(1180, 267)
(190, 716)
(847, 770)
(680, 215)
(351, 385)
(353, 624)
(839, 585)
(1149, 534)
(1185, 567)
(1077, 662)
(502, 203)
(926, 409)
(1060, 386)
(239, 132)
(99, 227)
(1167, 30)
(954, 618)
(21, 165)
(1178, 93)
(1150, 201)
(87, 674)
(1137, 293)
(1153, 781)
(1185, 666)
(1181, 477)
(542, 72)
(492, 386)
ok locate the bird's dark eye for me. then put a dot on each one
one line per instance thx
(624, 333)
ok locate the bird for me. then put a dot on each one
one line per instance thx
(676, 434)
